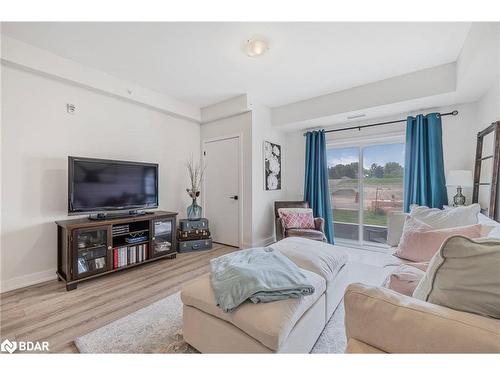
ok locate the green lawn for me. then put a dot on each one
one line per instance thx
(350, 216)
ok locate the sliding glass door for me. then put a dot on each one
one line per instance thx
(343, 179)
(363, 196)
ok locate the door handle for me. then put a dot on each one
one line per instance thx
(235, 197)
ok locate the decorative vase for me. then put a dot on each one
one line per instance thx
(194, 211)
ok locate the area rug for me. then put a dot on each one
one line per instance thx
(157, 328)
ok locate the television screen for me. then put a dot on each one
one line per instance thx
(105, 185)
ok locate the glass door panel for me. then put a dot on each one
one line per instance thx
(343, 179)
(91, 253)
(382, 188)
(162, 237)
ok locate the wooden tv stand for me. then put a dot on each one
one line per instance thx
(87, 249)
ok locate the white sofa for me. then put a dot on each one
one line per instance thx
(403, 324)
(288, 326)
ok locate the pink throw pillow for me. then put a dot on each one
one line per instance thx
(420, 242)
(404, 279)
(422, 266)
(297, 218)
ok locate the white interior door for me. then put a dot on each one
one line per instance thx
(221, 194)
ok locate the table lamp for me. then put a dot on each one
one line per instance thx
(460, 179)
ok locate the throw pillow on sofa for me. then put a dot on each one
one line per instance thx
(464, 275)
(420, 241)
(297, 218)
(440, 219)
(404, 279)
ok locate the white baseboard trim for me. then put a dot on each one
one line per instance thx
(27, 280)
(48, 275)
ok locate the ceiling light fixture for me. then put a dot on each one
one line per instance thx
(256, 47)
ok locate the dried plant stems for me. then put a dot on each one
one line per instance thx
(196, 172)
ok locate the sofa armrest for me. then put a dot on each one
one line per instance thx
(394, 323)
(319, 224)
(395, 224)
(280, 229)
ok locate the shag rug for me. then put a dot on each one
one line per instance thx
(157, 328)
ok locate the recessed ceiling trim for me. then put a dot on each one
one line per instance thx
(356, 116)
(36, 60)
(423, 83)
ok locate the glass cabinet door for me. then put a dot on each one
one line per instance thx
(162, 237)
(92, 251)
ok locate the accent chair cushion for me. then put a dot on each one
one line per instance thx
(464, 275)
(297, 218)
(311, 234)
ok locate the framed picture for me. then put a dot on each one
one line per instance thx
(272, 166)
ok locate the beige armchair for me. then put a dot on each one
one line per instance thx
(318, 233)
(379, 320)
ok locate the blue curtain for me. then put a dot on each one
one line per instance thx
(316, 180)
(424, 167)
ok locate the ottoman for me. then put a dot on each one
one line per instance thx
(288, 326)
(327, 261)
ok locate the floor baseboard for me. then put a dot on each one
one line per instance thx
(48, 275)
(27, 280)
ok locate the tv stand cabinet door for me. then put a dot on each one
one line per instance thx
(163, 240)
(91, 251)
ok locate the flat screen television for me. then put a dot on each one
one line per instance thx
(98, 185)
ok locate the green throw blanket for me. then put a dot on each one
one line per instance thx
(259, 274)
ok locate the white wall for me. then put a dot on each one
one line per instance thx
(20, 54)
(488, 107)
(254, 127)
(263, 230)
(459, 143)
(294, 165)
(237, 125)
(37, 137)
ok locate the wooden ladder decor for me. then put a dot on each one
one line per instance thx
(495, 156)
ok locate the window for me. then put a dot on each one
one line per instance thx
(363, 196)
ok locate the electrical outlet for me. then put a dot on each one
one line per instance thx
(70, 108)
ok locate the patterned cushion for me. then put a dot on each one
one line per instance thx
(297, 218)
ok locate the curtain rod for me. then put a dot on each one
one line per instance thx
(452, 113)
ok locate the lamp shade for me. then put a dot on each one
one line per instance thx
(459, 178)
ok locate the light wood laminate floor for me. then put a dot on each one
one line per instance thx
(46, 312)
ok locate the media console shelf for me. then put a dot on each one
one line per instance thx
(88, 248)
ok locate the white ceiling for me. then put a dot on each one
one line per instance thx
(204, 63)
